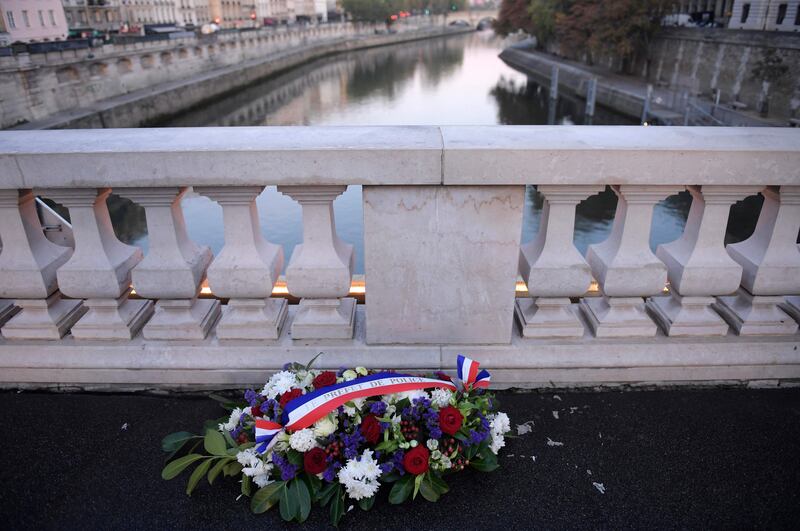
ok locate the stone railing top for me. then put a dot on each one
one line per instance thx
(394, 155)
(620, 155)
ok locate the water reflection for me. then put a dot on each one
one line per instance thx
(457, 80)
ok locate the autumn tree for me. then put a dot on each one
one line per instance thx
(513, 15)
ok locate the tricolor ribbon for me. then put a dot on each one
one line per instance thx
(305, 410)
(470, 374)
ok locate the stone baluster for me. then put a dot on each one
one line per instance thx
(246, 269)
(7, 311)
(320, 269)
(173, 270)
(625, 268)
(28, 265)
(770, 259)
(698, 267)
(99, 269)
(553, 268)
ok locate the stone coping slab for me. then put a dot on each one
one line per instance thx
(586, 361)
(400, 155)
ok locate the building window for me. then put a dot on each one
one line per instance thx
(25, 19)
(797, 16)
(781, 14)
(10, 18)
(745, 13)
(52, 17)
(41, 18)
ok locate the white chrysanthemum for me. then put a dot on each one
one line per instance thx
(411, 395)
(355, 409)
(441, 397)
(360, 477)
(326, 425)
(303, 440)
(279, 383)
(254, 467)
(233, 420)
(499, 425)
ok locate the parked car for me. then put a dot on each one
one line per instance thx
(679, 19)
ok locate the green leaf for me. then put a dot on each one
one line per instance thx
(324, 496)
(427, 489)
(197, 475)
(288, 504)
(295, 457)
(401, 489)
(175, 441)
(367, 503)
(485, 463)
(337, 506)
(438, 484)
(215, 471)
(310, 363)
(387, 446)
(417, 483)
(232, 469)
(246, 485)
(214, 443)
(313, 483)
(300, 490)
(177, 466)
(266, 497)
(391, 477)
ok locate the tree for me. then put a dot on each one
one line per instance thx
(543, 19)
(370, 10)
(621, 27)
(768, 70)
(512, 16)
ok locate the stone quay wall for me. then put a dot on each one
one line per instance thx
(128, 85)
(443, 215)
(704, 60)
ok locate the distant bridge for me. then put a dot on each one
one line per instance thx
(473, 16)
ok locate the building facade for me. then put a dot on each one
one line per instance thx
(26, 21)
(720, 10)
(140, 12)
(101, 15)
(767, 15)
(192, 12)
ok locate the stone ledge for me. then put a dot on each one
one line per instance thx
(524, 363)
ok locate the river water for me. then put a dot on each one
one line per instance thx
(445, 81)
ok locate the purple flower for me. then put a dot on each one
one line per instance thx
(378, 408)
(251, 397)
(330, 474)
(387, 467)
(397, 461)
(288, 470)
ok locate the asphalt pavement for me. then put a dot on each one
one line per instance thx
(699, 459)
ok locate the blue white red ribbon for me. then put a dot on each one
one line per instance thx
(471, 375)
(305, 410)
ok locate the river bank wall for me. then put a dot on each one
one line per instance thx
(145, 83)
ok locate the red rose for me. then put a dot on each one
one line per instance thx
(443, 376)
(325, 379)
(450, 420)
(416, 460)
(314, 461)
(255, 411)
(371, 428)
(289, 395)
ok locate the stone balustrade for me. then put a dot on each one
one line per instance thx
(443, 213)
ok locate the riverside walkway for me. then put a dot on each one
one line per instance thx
(622, 93)
(702, 459)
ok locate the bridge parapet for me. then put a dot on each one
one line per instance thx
(445, 267)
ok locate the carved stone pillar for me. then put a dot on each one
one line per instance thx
(770, 259)
(28, 266)
(246, 268)
(173, 269)
(100, 268)
(698, 267)
(625, 268)
(321, 268)
(553, 268)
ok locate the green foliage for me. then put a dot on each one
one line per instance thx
(266, 497)
(370, 10)
(402, 489)
(769, 67)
